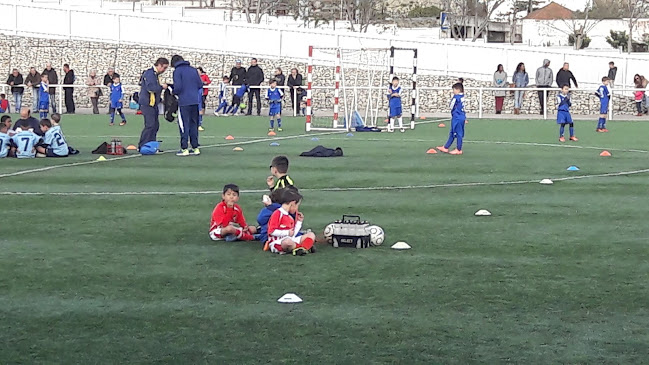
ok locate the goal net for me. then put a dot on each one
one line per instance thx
(347, 88)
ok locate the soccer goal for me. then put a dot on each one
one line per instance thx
(347, 88)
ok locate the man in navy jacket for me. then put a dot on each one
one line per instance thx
(188, 87)
(149, 100)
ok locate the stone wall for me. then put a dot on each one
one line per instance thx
(131, 60)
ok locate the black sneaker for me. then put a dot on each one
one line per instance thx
(312, 250)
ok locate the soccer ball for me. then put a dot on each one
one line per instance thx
(328, 232)
(243, 105)
(376, 235)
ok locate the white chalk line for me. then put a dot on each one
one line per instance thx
(82, 163)
(344, 189)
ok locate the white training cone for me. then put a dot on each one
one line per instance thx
(401, 246)
(483, 213)
(546, 182)
(289, 298)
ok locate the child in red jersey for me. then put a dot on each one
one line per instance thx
(228, 222)
(283, 229)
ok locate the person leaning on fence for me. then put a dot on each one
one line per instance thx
(294, 82)
(612, 72)
(150, 98)
(69, 91)
(565, 76)
(33, 80)
(15, 79)
(520, 80)
(544, 78)
(500, 81)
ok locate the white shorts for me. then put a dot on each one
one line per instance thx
(215, 234)
(276, 245)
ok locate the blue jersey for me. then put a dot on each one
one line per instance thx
(56, 141)
(43, 92)
(457, 108)
(26, 142)
(274, 95)
(116, 94)
(563, 102)
(5, 142)
(603, 93)
(394, 101)
(242, 90)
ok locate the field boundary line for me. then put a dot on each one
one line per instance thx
(344, 189)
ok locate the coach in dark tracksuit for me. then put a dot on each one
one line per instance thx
(254, 77)
(149, 98)
(188, 87)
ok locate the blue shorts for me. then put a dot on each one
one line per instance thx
(44, 104)
(49, 152)
(564, 118)
(603, 109)
(396, 111)
(275, 109)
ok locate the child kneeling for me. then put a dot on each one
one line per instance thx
(283, 229)
(228, 222)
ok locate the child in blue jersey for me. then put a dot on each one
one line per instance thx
(274, 97)
(458, 119)
(223, 101)
(563, 113)
(394, 98)
(116, 101)
(236, 99)
(55, 143)
(5, 139)
(43, 97)
(25, 141)
(604, 95)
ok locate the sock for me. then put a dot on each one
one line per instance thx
(306, 243)
(459, 143)
(391, 124)
(112, 118)
(451, 137)
(200, 119)
(561, 130)
(272, 123)
(572, 131)
(400, 119)
(279, 122)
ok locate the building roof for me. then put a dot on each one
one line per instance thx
(552, 11)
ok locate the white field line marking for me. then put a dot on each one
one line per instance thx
(368, 188)
(47, 168)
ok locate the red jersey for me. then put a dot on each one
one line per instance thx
(279, 224)
(222, 216)
(206, 81)
(4, 104)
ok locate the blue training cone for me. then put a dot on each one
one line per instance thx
(350, 134)
(315, 139)
(274, 144)
(573, 168)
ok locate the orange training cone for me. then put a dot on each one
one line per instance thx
(431, 151)
(229, 137)
(442, 125)
(131, 147)
(605, 154)
(422, 118)
(272, 133)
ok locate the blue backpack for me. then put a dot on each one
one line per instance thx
(150, 148)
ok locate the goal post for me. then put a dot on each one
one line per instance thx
(413, 94)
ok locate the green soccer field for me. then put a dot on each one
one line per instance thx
(110, 262)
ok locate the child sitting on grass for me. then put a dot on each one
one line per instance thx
(55, 144)
(26, 141)
(283, 229)
(228, 222)
(5, 139)
(56, 122)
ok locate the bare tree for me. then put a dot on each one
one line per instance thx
(258, 8)
(577, 26)
(461, 12)
(634, 9)
(484, 11)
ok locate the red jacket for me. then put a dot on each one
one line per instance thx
(206, 81)
(222, 216)
(4, 105)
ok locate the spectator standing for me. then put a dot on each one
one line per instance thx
(237, 78)
(520, 79)
(93, 91)
(641, 82)
(68, 79)
(544, 80)
(280, 78)
(254, 77)
(206, 82)
(15, 79)
(564, 76)
(150, 98)
(26, 114)
(53, 79)
(294, 82)
(612, 72)
(33, 80)
(188, 87)
(500, 81)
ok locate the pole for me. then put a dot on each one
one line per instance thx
(309, 91)
(413, 106)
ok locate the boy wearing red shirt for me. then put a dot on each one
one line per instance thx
(282, 228)
(228, 222)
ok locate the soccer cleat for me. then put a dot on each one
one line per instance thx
(562, 139)
(183, 153)
(312, 249)
(604, 130)
(455, 152)
(111, 124)
(271, 130)
(123, 123)
(599, 130)
(201, 129)
(280, 130)
(300, 251)
(574, 139)
(216, 113)
(266, 246)
(196, 152)
(442, 149)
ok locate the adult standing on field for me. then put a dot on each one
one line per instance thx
(33, 80)
(52, 79)
(69, 91)
(237, 78)
(544, 79)
(150, 98)
(15, 79)
(564, 76)
(254, 77)
(188, 87)
(500, 81)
